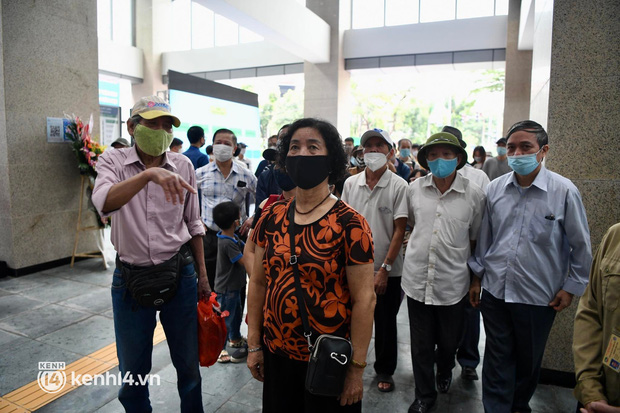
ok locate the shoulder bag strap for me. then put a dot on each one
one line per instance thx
(301, 303)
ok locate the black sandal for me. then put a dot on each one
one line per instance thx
(385, 378)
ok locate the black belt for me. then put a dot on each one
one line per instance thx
(186, 259)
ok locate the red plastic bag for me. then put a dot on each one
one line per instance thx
(211, 331)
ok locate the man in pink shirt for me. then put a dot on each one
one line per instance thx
(151, 195)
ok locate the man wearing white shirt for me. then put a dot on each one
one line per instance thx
(381, 197)
(468, 354)
(445, 210)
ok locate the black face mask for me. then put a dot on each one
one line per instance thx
(307, 171)
(284, 181)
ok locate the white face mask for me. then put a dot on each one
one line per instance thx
(222, 153)
(375, 160)
(242, 151)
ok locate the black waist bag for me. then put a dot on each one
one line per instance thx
(156, 285)
(327, 367)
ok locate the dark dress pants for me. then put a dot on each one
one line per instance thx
(209, 242)
(430, 326)
(386, 342)
(468, 354)
(284, 389)
(516, 337)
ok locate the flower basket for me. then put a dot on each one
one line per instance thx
(87, 153)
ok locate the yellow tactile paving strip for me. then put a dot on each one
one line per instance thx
(31, 397)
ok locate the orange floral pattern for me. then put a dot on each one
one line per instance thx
(325, 248)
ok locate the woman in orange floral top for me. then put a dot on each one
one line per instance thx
(334, 246)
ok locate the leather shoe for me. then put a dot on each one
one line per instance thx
(418, 406)
(443, 383)
(469, 373)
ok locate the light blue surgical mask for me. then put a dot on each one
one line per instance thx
(405, 152)
(524, 164)
(442, 168)
(501, 151)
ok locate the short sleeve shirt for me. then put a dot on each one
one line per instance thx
(381, 206)
(324, 248)
(495, 168)
(435, 270)
(229, 273)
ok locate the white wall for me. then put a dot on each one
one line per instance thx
(446, 36)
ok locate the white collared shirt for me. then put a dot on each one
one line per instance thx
(476, 176)
(435, 270)
(381, 207)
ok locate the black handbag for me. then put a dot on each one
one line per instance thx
(330, 355)
(154, 286)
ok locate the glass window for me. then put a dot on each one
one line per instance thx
(122, 26)
(181, 29)
(248, 36)
(437, 10)
(401, 12)
(226, 31)
(501, 7)
(467, 9)
(104, 19)
(367, 13)
(202, 27)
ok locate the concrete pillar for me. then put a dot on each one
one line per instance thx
(149, 36)
(326, 92)
(576, 96)
(48, 67)
(518, 72)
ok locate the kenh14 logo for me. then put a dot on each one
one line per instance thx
(52, 377)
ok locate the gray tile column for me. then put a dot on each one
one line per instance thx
(575, 89)
(518, 72)
(327, 84)
(48, 56)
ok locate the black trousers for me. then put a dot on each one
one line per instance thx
(468, 354)
(430, 326)
(284, 389)
(209, 244)
(516, 339)
(386, 343)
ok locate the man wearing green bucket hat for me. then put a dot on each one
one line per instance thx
(445, 211)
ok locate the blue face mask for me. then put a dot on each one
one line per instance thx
(405, 152)
(501, 151)
(524, 164)
(442, 168)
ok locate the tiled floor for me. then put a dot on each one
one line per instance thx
(65, 313)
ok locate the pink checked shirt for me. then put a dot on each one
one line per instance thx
(147, 230)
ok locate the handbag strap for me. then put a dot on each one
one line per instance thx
(293, 261)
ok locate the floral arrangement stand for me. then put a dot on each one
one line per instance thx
(87, 152)
(80, 228)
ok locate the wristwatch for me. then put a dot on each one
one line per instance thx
(387, 267)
